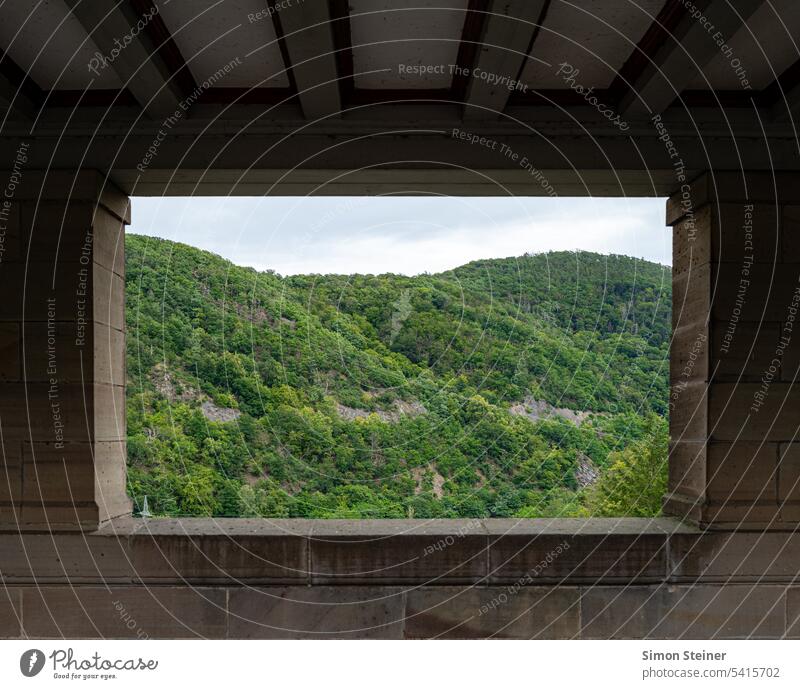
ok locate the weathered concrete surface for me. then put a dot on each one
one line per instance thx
(579, 550)
(318, 612)
(241, 578)
(398, 551)
(494, 612)
(684, 612)
(793, 613)
(124, 612)
(11, 613)
(567, 612)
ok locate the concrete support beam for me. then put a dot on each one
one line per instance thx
(309, 42)
(692, 45)
(62, 336)
(379, 149)
(510, 28)
(138, 65)
(735, 405)
(189, 160)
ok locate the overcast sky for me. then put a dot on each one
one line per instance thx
(408, 235)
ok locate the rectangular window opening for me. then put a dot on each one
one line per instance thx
(397, 357)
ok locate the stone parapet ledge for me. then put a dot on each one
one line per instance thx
(398, 552)
(398, 579)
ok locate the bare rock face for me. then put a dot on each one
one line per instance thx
(535, 410)
(165, 385)
(438, 484)
(587, 473)
(413, 408)
(419, 474)
(221, 414)
(401, 408)
(351, 413)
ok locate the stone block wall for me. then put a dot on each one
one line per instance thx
(735, 354)
(62, 338)
(400, 579)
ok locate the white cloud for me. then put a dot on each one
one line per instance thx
(402, 234)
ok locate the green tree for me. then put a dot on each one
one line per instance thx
(636, 479)
(390, 396)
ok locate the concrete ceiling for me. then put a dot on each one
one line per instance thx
(46, 41)
(210, 33)
(594, 36)
(264, 89)
(765, 47)
(51, 46)
(391, 36)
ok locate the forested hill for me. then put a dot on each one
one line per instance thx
(504, 387)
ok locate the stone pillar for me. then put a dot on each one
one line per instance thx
(62, 350)
(734, 398)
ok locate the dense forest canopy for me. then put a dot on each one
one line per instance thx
(530, 386)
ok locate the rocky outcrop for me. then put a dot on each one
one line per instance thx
(586, 472)
(536, 410)
(166, 386)
(400, 409)
(437, 481)
(180, 392)
(220, 414)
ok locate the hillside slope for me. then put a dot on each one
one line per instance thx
(496, 389)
